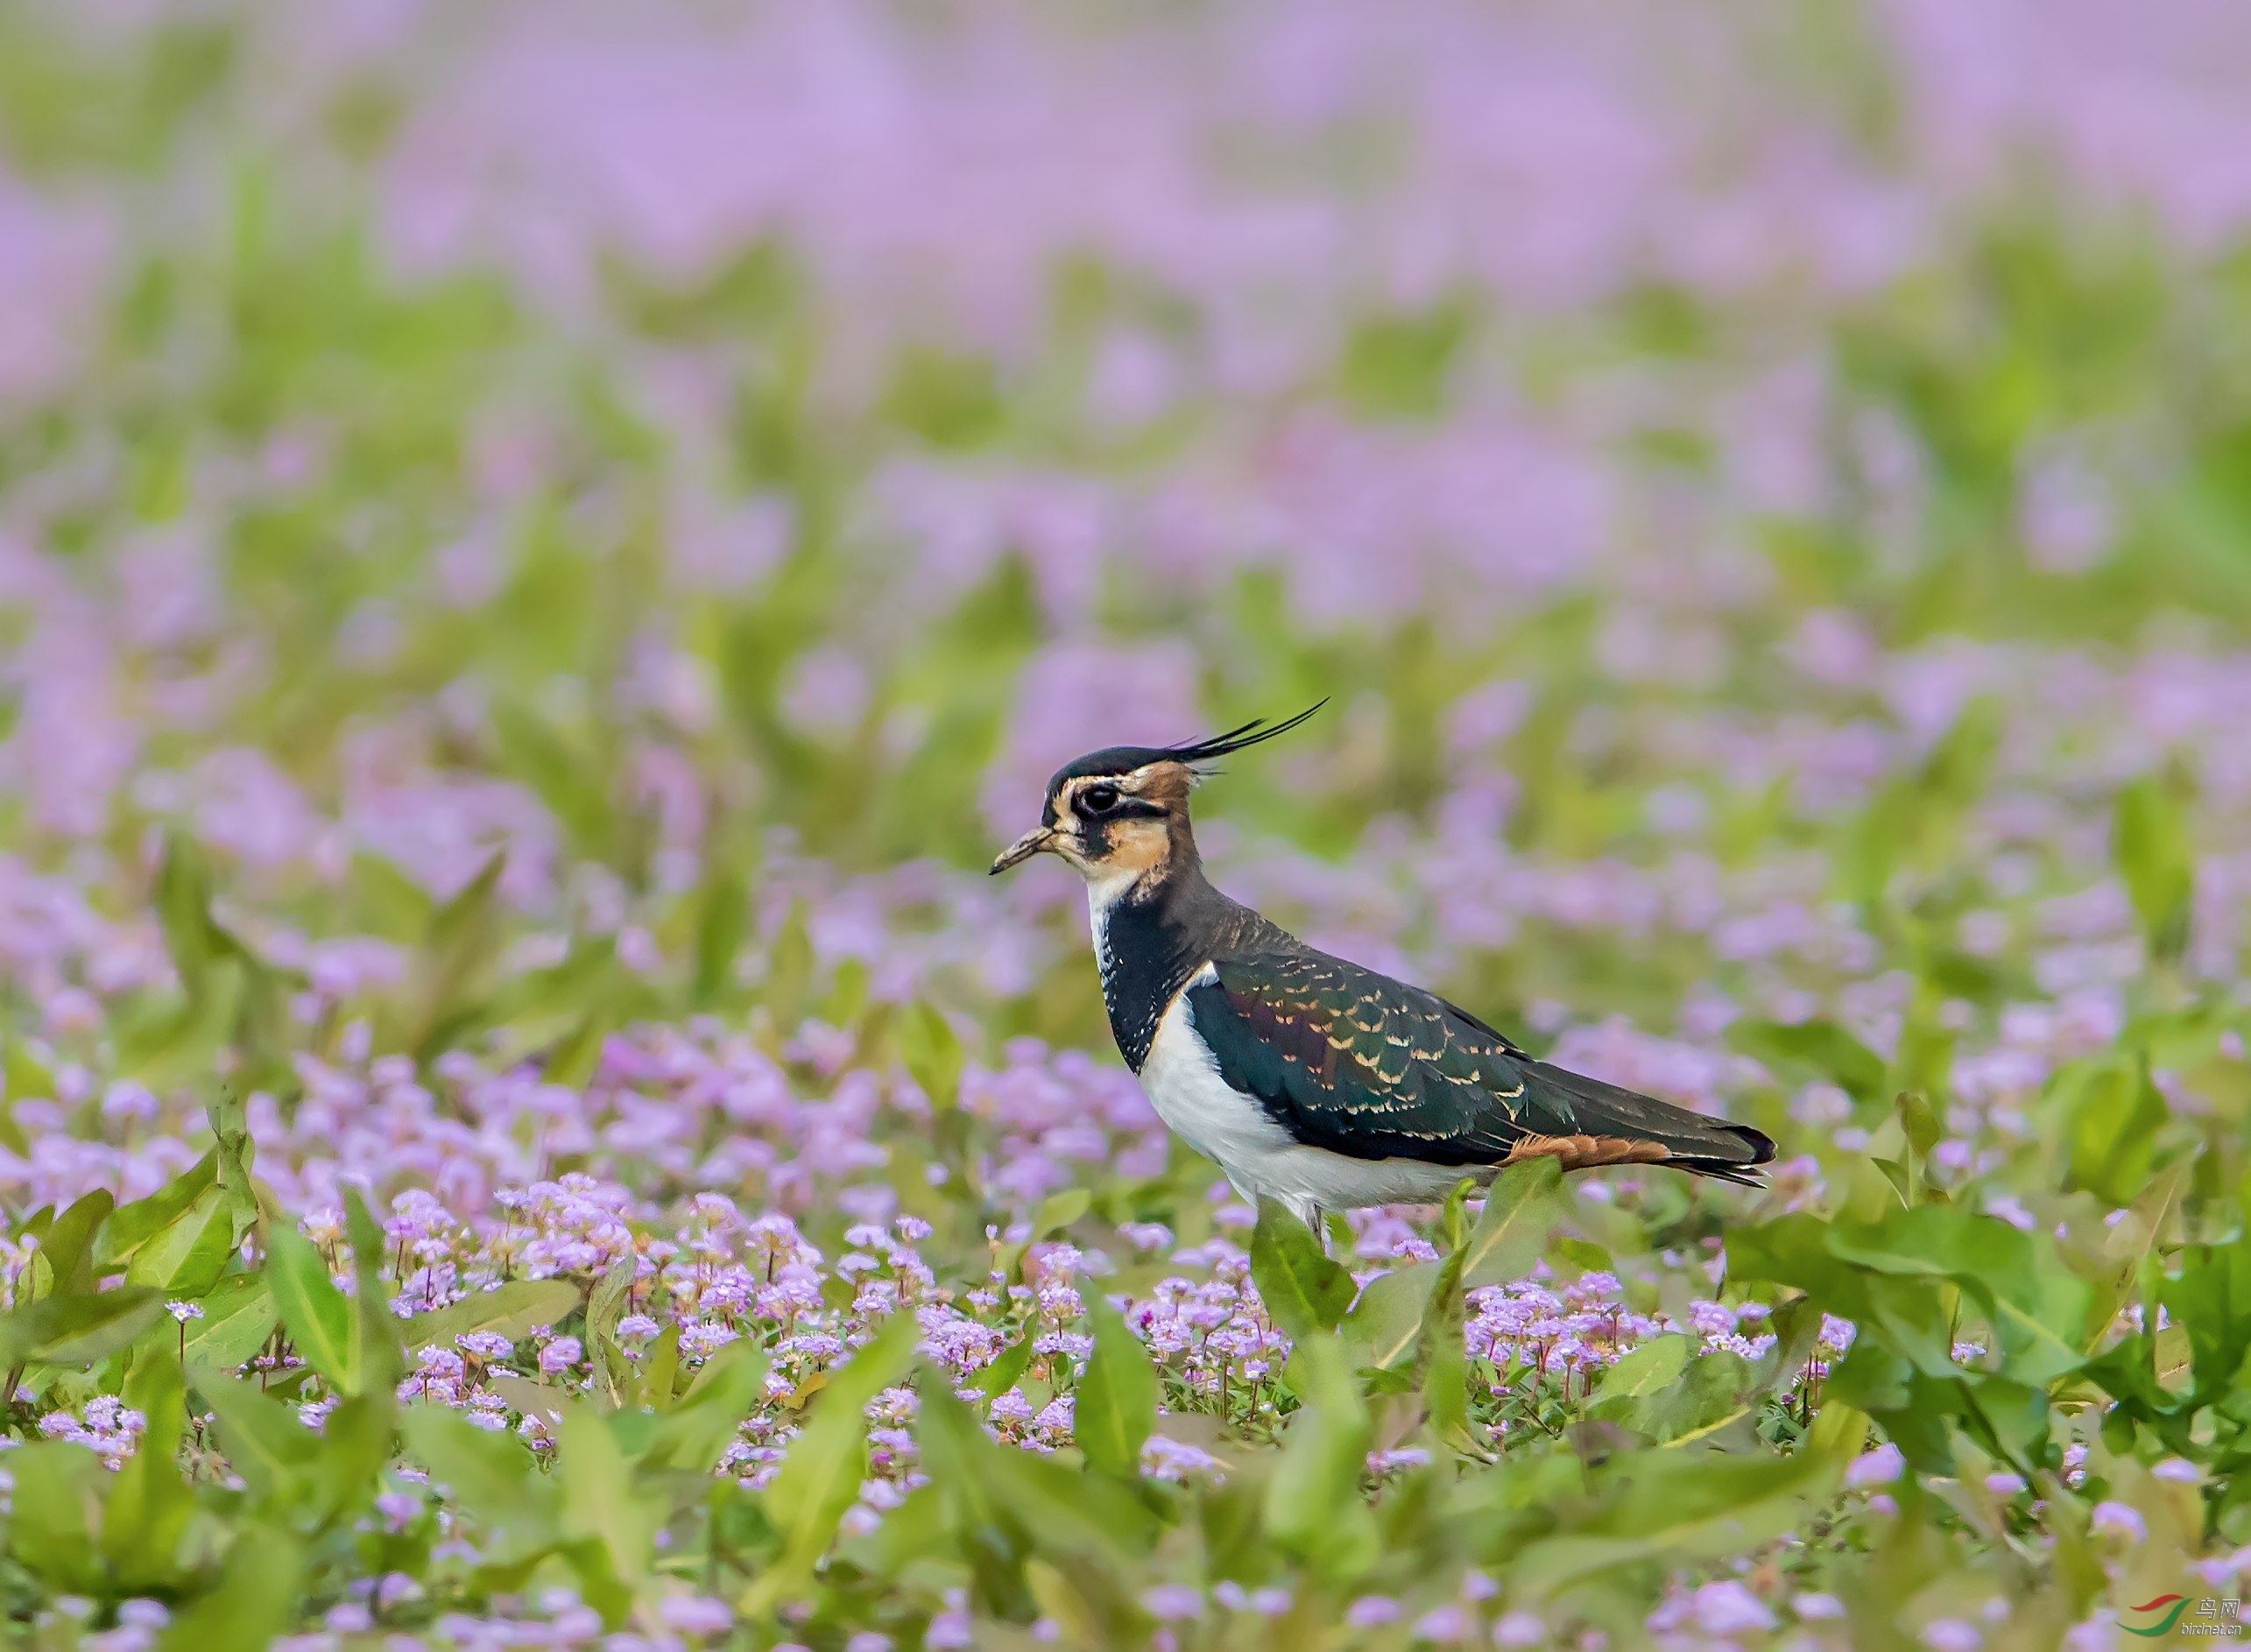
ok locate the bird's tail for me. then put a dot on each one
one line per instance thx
(1649, 1131)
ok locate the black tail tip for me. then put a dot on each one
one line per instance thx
(1742, 1172)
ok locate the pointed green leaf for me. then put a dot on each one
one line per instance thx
(131, 1226)
(376, 1352)
(509, 1310)
(1304, 1290)
(1058, 1211)
(491, 1473)
(1385, 1324)
(694, 1433)
(1006, 1370)
(660, 1368)
(2156, 861)
(238, 1317)
(147, 1511)
(186, 1258)
(66, 1256)
(1116, 1402)
(56, 1502)
(1314, 1508)
(599, 1499)
(723, 924)
(1521, 1208)
(233, 1157)
(315, 1314)
(253, 1603)
(579, 1056)
(77, 1331)
(261, 1437)
(1650, 1368)
(932, 1054)
(822, 1474)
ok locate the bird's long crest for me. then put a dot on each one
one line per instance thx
(1251, 733)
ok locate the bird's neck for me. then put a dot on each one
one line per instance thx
(1150, 936)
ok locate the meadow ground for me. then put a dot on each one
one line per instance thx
(543, 547)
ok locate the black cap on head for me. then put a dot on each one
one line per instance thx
(1123, 760)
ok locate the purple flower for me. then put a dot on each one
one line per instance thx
(1173, 1603)
(1880, 1467)
(2112, 1518)
(1369, 1610)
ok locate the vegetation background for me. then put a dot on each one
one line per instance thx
(543, 547)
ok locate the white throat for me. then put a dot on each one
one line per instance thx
(1103, 895)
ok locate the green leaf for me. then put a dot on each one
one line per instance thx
(1650, 1368)
(457, 955)
(26, 1079)
(66, 1255)
(1676, 1507)
(509, 1310)
(2113, 1113)
(1814, 1048)
(600, 1500)
(491, 1474)
(355, 1444)
(377, 1353)
(2149, 840)
(1006, 1369)
(186, 1258)
(1067, 1512)
(1314, 1509)
(2035, 1306)
(55, 1501)
(1521, 1208)
(1439, 1348)
(605, 1305)
(238, 1317)
(1007, 1504)
(1918, 1122)
(1058, 1211)
(77, 1331)
(1705, 1393)
(2211, 1300)
(723, 924)
(660, 1368)
(316, 1315)
(694, 1433)
(957, 1456)
(932, 1054)
(183, 906)
(261, 1435)
(132, 1227)
(146, 1514)
(1304, 1290)
(790, 962)
(574, 1060)
(822, 1474)
(254, 1602)
(230, 1119)
(1116, 1402)
(1384, 1325)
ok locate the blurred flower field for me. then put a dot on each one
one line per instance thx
(543, 548)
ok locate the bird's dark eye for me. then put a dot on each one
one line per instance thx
(1098, 799)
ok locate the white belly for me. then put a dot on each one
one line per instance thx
(1258, 1155)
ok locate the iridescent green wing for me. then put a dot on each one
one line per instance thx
(1364, 1065)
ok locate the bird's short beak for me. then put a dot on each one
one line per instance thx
(1032, 843)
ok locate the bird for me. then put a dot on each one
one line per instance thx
(1309, 1079)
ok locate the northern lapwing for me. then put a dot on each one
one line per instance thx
(1306, 1077)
